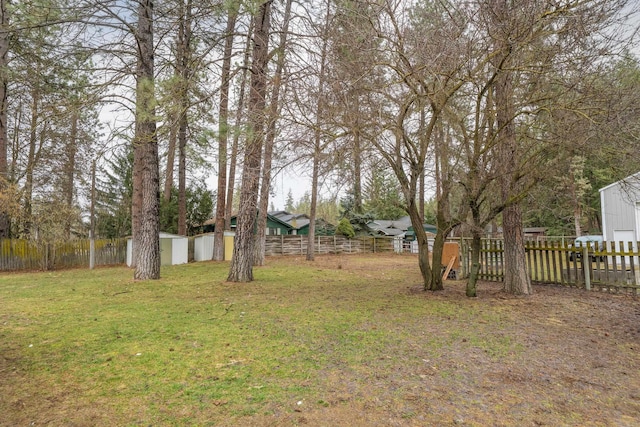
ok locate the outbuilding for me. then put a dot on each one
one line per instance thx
(204, 243)
(203, 247)
(620, 208)
(174, 249)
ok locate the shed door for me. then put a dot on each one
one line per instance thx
(165, 251)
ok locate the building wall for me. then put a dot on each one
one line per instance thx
(618, 206)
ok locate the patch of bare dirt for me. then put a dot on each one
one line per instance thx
(572, 358)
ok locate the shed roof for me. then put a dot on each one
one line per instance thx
(633, 180)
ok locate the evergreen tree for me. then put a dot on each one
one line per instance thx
(289, 203)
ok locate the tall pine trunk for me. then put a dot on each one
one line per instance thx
(27, 191)
(317, 144)
(4, 165)
(183, 60)
(70, 167)
(233, 160)
(357, 168)
(243, 252)
(269, 146)
(146, 241)
(223, 132)
(171, 156)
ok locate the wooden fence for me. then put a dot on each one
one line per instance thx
(297, 245)
(614, 268)
(16, 254)
(26, 255)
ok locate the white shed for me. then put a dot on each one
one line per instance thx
(203, 247)
(174, 249)
(620, 207)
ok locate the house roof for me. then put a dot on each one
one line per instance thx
(287, 217)
(399, 224)
(278, 214)
(299, 219)
(390, 231)
(212, 221)
(535, 230)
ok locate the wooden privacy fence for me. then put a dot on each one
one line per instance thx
(18, 254)
(614, 267)
(297, 245)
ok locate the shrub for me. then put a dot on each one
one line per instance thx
(345, 228)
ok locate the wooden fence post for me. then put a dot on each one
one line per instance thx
(586, 267)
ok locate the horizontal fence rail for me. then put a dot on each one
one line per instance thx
(297, 245)
(614, 266)
(18, 254)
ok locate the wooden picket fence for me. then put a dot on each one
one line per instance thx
(615, 268)
(18, 254)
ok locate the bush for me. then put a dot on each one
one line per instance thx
(345, 228)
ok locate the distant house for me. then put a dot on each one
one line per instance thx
(534, 233)
(387, 227)
(620, 207)
(398, 227)
(300, 223)
(428, 228)
(275, 226)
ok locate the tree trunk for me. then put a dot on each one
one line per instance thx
(243, 252)
(4, 143)
(274, 108)
(182, 175)
(239, 119)
(317, 149)
(70, 168)
(171, 156)
(311, 238)
(357, 169)
(146, 241)
(421, 190)
(31, 161)
(423, 244)
(223, 132)
(183, 60)
(516, 278)
(475, 265)
(577, 218)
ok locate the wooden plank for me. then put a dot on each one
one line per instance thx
(449, 267)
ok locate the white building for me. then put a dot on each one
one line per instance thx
(174, 249)
(620, 206)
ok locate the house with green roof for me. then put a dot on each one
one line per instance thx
(300, 223)
(275, 226)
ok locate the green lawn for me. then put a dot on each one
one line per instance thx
(304, 339)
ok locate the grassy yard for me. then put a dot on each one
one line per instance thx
(343, 341)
